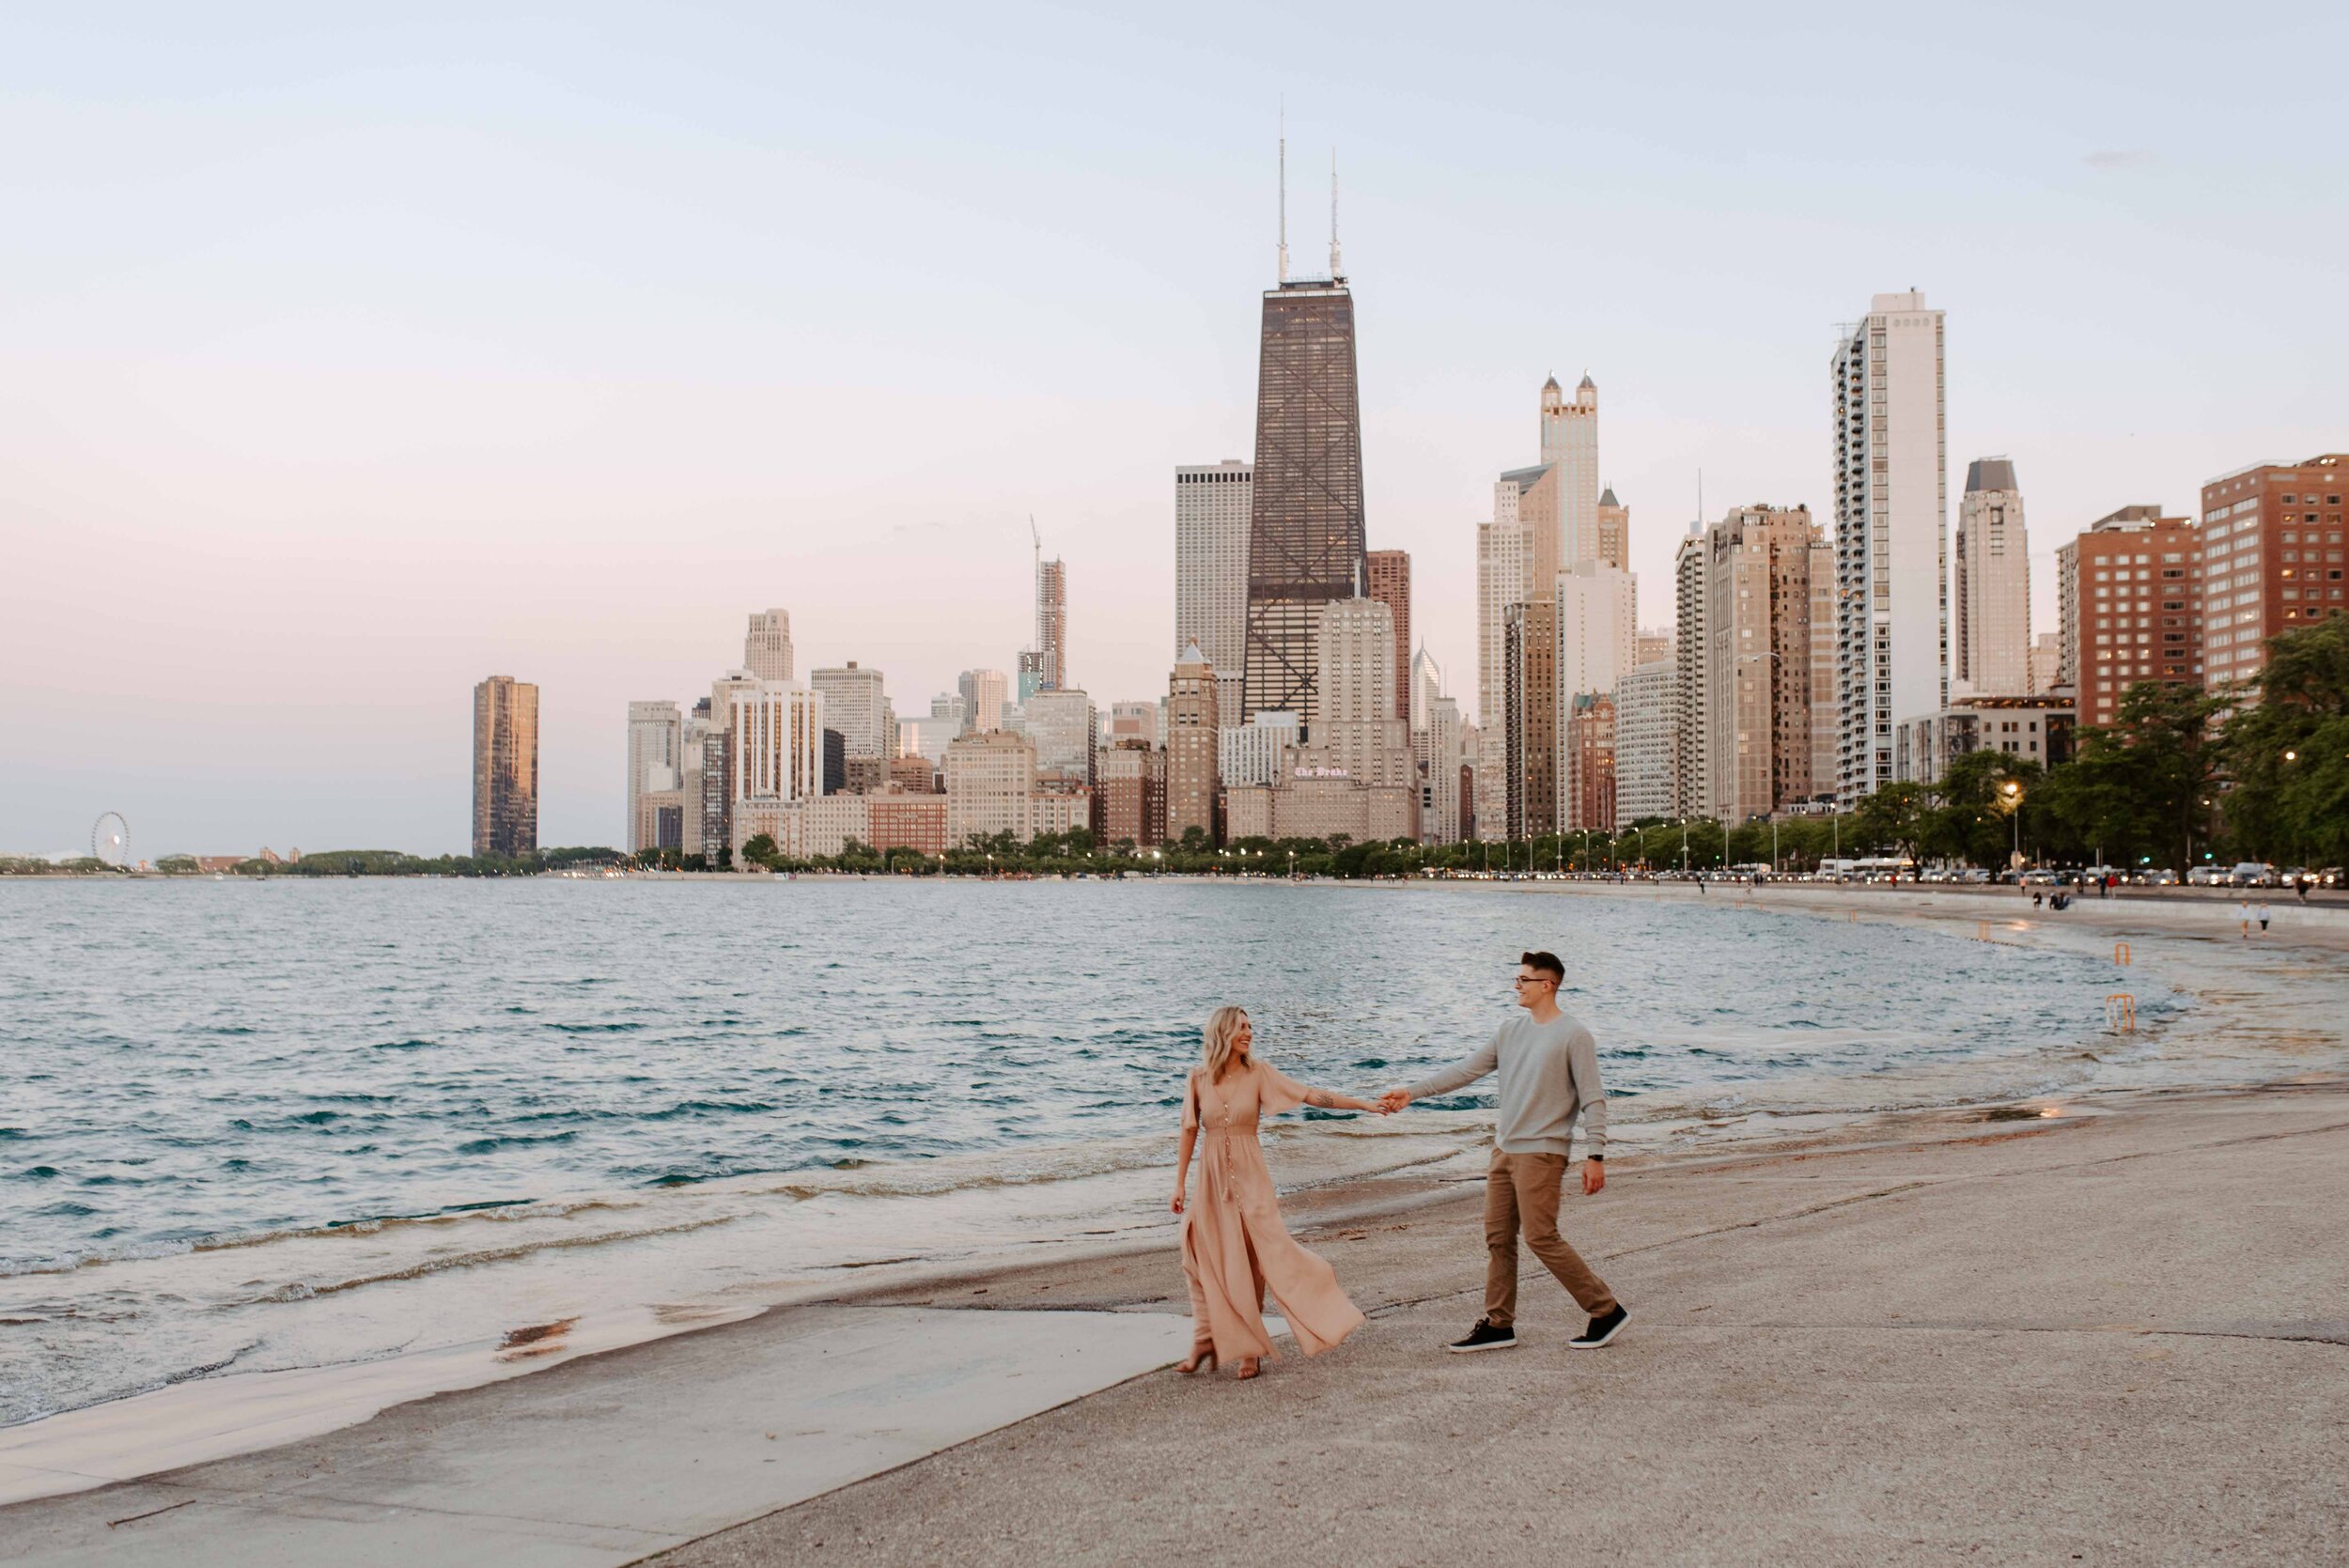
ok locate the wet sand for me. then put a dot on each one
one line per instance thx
(2112, 1328)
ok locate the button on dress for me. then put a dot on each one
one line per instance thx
(1234, 1246)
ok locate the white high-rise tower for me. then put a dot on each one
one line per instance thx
(1570, 441)
(1211, 510)
(1891, 510)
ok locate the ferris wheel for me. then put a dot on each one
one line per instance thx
(110, 839)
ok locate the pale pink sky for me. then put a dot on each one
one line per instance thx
(351, 359)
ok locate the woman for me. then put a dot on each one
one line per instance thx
(1234, 1243)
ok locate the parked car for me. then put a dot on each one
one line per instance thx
(2251, 874)
(2158, 879)
(2207, 876)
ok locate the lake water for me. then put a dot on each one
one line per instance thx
(253, 1126)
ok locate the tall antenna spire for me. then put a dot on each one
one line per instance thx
(1337, 268)
(1285, 190)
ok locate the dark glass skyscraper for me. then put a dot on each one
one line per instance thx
(1305, 543)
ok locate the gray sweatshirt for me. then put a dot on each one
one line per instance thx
(1549, 1071)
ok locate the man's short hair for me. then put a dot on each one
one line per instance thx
(1546, 963)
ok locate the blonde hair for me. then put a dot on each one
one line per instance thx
(1216, 1040)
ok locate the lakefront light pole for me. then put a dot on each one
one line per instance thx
(2013, 791)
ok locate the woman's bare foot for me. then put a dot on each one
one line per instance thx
(1248, 1368)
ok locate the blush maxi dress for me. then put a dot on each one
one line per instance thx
(1234, 1246)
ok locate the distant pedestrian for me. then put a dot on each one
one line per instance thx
(2300, 884)
(2243, 918)
(2263, 915)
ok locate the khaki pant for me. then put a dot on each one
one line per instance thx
(1521, 1194)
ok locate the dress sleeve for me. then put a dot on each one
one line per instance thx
(1276, 1091)
(1190, 1103)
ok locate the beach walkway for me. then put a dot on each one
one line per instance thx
(2118, 1334)
(2118, 1339)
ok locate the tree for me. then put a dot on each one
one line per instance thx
(1894, 815)
(2142, 785)
(760, 850)
(2289, 752)
(1972, 821)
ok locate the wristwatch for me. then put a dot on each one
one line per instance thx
(1601, 1159)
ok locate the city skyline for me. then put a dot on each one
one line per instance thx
(251, 440)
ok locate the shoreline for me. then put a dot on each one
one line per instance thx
(1335, 1207)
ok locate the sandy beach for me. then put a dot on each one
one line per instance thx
(2110, 1325)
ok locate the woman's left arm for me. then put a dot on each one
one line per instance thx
(1330, 1099)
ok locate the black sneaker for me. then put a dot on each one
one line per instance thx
(1601, 1330)
(1484, 1337)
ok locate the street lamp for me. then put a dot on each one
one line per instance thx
(2012, 792)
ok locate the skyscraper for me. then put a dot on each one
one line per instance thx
(1692, 767)
(990, 787)
(1360, 731)
(1646, 711)
(1891, 510)
(766, 651)
(855, 706)
(2132, 587)
(1588, 766)
(1444, 747)
(1990, 589)
(1064, 729)
(1530, 712)
(1305, 538)
(2273, 547)
(1051, 623)
(1190, 746)
(1500, 578)
(655, 772)
(1518, 556)
(774, 753)
(1614, 533)
(1763, 678)
(1595, 615)
(1390, 584)
(1426, 679)
(504, 766)
(1570, 444)
(1212, 505)
(1129, 794)
(693, 751)
(984, 693)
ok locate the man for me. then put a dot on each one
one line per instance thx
(1548, 1067)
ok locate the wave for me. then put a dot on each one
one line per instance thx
(515, 1141)
(300, 1290)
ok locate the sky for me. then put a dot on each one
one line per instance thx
(354, 354)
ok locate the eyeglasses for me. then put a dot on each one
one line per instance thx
(1535, 980)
